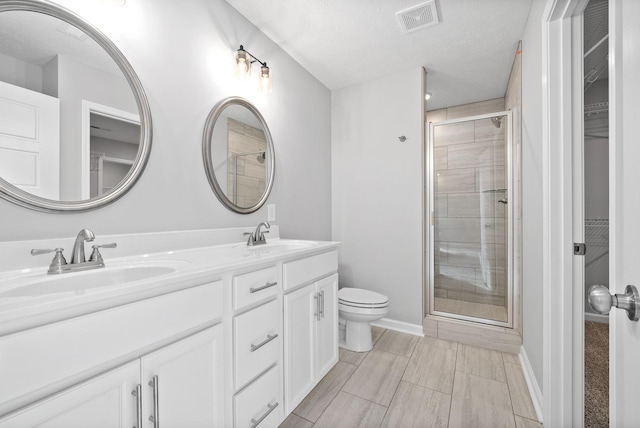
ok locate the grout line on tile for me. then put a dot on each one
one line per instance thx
(357, 396)
(453, 386)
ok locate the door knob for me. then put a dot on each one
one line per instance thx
(601, 301)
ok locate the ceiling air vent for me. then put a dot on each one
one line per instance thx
(418, 17)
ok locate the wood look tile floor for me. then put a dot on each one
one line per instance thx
(407, 381)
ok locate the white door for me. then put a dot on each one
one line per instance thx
(103, 401)
(300, 314)
(625, 208)
(327, 341)
(30, 141)
(183, 383)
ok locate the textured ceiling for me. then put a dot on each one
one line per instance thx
(468, 55)
(37, 38)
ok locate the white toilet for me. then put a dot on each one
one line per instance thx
(356, 309)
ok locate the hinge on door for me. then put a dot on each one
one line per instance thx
(579, 249)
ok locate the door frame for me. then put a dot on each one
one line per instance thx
(563, 213)
(89, 107)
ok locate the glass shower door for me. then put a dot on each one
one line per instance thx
(470, 246)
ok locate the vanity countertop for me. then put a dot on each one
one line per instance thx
(170, 271)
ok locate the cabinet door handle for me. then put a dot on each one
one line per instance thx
(138, 394)
(267, 285)
(322, 304)
(271, 407)
(155, 417)
(317, 312)
(264, 342)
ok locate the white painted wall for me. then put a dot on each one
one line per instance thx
(532, 307)
(376, 189)
(20, 73)
(78, 82)
(182, 53)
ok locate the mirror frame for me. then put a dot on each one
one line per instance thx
(208, 161)
(25, 199)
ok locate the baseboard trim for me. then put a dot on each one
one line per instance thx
(401, 326)
(530, 378)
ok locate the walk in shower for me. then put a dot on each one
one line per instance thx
(470, 248)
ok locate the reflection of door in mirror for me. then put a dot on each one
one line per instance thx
(110, 142)
(52, 58)
(30, 140)
(247, 170)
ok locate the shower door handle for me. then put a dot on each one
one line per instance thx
(601, 301)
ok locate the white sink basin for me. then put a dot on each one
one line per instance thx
(77, 282)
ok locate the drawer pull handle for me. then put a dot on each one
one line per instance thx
(267, 285)
(264, 342)
(138, 394)
(271, 409)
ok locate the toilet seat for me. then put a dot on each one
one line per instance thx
(359, 298)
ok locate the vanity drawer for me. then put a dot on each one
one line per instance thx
(257, 342)
(262, 399)
(308, 269)
(254, 286)
(41, 360)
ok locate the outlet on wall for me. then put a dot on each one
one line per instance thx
(271, 212)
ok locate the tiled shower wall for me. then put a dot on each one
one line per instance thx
(470, 247)
(247, 175)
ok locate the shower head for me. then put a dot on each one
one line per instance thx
(261, 157)
(497, 121)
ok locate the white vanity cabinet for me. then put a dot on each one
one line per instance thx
(310, 324)
(65, 370)
(104, 401)
(179, 385)
(257, 349)
(235, 345)
(183, 383)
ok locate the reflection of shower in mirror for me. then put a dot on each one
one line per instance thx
(261, 157)
(497, 121)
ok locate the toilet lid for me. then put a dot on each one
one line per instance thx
(360, 297)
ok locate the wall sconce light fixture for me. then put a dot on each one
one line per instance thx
(244, 59)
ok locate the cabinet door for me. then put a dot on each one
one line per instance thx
(103, 401)
(327, 329)
(300, 312)
(184, 382)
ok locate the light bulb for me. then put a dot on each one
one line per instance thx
(265, 79)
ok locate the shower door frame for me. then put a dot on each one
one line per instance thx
(509, 224)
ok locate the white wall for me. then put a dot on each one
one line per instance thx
(78, 82)
(376, 189)
(532, 309)
(20, 73)
(182, 53)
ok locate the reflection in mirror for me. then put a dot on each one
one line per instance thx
(75, 129)
(114, 140)
(238, 155)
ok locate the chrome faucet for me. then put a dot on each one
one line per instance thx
(78, 259)
(78, 247)
(257, 237)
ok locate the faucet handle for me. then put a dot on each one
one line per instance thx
(95, 254)
(58, 260)
(38, 251)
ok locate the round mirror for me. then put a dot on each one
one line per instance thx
(75, 124)
(238, 155)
